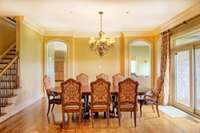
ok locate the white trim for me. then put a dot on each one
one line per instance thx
(17, 110)
(178, 19)
(33, 26)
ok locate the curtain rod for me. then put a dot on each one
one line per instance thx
(181, 24)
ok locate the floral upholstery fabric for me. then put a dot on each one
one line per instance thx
(103, 76)
(100, 92)
(116, 79)
(158, 88)
(83, 79)
(128, 91)
(71, 92)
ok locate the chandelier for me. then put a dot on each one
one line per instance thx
(101, 45)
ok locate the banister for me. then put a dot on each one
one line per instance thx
(9, 65)
(4, 53)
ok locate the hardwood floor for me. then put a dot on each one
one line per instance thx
(34, 120)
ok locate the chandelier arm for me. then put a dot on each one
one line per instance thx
(101, 13)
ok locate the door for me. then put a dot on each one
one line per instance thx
(197, 79)
(182, 82)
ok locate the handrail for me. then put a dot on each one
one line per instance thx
(9, 21)
(9, 65)
(4, 53)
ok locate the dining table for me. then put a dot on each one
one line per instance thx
(114, 90)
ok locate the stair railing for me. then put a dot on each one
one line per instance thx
(9, 82)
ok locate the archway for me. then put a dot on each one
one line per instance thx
(56, 61)
(140, 63)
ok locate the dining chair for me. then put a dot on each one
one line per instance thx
(116, 79)
(100, 98)
(115, 85)
(103, 76)
(53, 96)
(84, 80)
(152, 97)
(71, 98)
(127, 98)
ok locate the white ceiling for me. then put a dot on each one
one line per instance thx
(81, 16)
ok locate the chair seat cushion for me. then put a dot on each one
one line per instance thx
(100, 107)
(72, 107)
(127, 107)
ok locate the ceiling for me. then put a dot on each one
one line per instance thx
(81, 16)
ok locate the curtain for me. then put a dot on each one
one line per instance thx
(165, 66)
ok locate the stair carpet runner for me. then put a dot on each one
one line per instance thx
(8, 80)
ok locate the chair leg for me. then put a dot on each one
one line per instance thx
(140, 109)
(92, 117)
(153, 108)
(52, 107)
(131, 115)
(135, 115)
(49, 106)
(157, 110)
(80, 117)
(63, 120)
(107, 118)
(119, 117)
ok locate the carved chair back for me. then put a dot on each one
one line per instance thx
(71, 93)
(158, 88)
(83, 79)
(103, 76)
(100, 92)
(128, 92)
(116, 79)
(47, 85)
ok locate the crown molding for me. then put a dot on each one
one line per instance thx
(58, 33)
(178, 19)
(33, 26)
(138, 33)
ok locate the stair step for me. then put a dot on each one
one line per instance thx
(2, 114)
(11, 96)
(5, 105)
(9, 88)
(11, 54)
(13, 50)
(9, 58)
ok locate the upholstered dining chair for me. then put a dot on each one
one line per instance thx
(152, 97)
(127, 98)
(83, 79)
(116, 79)
(115, 85)
(53, 96)
(103, 76)
(71, 98)
(100, 98)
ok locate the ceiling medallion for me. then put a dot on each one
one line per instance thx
(101, 44)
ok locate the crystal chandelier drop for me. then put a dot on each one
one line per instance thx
(101, 45)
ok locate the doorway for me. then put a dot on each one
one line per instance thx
(140, 63)
(186, 71)
(56, 53)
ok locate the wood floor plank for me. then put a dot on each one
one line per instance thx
(34, 120)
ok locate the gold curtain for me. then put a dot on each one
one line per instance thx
(165, 66)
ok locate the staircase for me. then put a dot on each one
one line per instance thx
(8, 77)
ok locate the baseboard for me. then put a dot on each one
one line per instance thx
(26, 105)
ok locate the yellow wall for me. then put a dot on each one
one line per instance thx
(88, 62)
(31, 71)
(7, 35)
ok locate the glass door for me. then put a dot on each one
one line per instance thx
(182, 89)
(197, 79)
